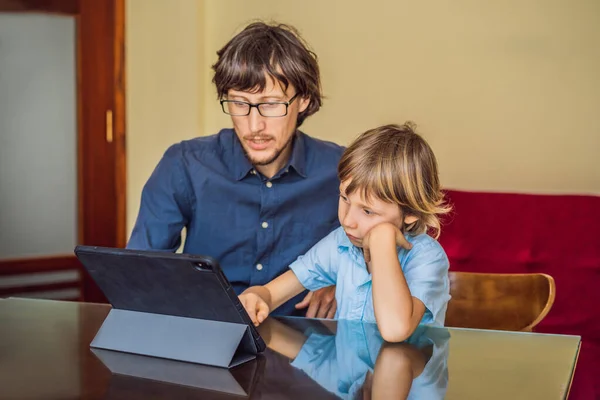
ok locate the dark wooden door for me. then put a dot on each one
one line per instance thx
(67, 61)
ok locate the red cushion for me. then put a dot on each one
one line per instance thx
(518, 233)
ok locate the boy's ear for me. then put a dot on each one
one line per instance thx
(410, 219)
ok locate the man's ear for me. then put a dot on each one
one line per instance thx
(410, 219)
(304, 102)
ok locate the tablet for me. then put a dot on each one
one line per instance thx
(181, 285)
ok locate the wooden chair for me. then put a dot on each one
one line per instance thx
(512, 302)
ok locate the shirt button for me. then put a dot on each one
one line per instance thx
(269, 184)
(265, 225)
(253, 172)
(259, 267)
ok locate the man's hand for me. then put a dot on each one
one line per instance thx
(255, 306)
(382, 232)
(321, 303)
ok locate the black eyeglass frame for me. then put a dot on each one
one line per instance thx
(257, 105)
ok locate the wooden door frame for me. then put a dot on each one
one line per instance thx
(101, 175)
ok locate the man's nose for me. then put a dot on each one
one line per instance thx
(256, 121)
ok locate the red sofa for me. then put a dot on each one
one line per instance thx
(555, 234)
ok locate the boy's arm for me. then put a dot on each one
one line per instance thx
(398, 364)
(313, 270)
(283, 288)
(397, 312)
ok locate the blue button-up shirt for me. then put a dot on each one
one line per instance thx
(336, 261)
(254, 226)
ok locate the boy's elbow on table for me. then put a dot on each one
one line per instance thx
(395, 331)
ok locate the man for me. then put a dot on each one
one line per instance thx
(257, 196)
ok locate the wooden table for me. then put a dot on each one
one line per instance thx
(45, 354)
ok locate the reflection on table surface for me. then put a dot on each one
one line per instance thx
(351, 360)
(45, 353)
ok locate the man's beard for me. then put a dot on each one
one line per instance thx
(274, 157)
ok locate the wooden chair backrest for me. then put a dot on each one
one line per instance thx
(512, 302)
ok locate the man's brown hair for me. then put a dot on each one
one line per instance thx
(274, 50)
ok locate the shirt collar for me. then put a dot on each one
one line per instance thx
(242, 166)
(344, 241)
(298, 158)
(344, 244)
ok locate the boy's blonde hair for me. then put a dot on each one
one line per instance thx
(396, 165)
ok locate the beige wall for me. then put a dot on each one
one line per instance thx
(163, 94)
(507, 93)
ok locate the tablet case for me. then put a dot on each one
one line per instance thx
(172, 306)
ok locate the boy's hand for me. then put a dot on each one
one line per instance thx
(381, 233)
(255, 306)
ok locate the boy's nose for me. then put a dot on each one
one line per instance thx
(348, 221)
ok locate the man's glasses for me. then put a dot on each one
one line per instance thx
(238, 108)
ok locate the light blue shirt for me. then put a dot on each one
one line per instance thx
(340, 362)
(336, 261)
